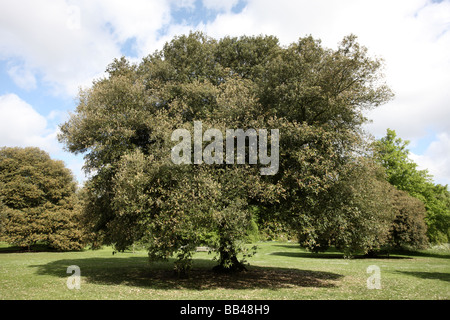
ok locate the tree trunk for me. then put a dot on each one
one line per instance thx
(228, 261)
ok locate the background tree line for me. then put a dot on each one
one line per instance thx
(334, 187)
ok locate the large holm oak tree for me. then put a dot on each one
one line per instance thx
(124, 122)
(38, 201)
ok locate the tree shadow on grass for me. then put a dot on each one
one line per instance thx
(428, 275)
(33, 248)
(425, 254)
(333, 253)
(138, 272)
(328, 255)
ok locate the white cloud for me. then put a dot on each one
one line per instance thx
(72, 42)
(38, 33)
(436, 159)
(21, 125)
(185, 4)
(139, 19)
(220, 5)
(418, 70)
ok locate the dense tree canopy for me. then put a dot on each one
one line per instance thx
(354, 215)
(408, 229)
(38, 200)
(313, 95)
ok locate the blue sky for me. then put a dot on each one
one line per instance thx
(51, 48)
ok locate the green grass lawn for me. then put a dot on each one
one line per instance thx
(279, 270)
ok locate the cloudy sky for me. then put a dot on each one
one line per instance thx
(51, 48)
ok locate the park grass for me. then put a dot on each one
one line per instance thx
(279, 270)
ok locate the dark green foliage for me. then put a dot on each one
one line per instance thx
(39, 203)
(354, 215)
(408, 229)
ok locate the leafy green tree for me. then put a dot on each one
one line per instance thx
(39, 203)
(438, 213)
(393, 154)
(314, 96)
(402, 172)
(408, 229)
(308, 83)
(355, 215)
